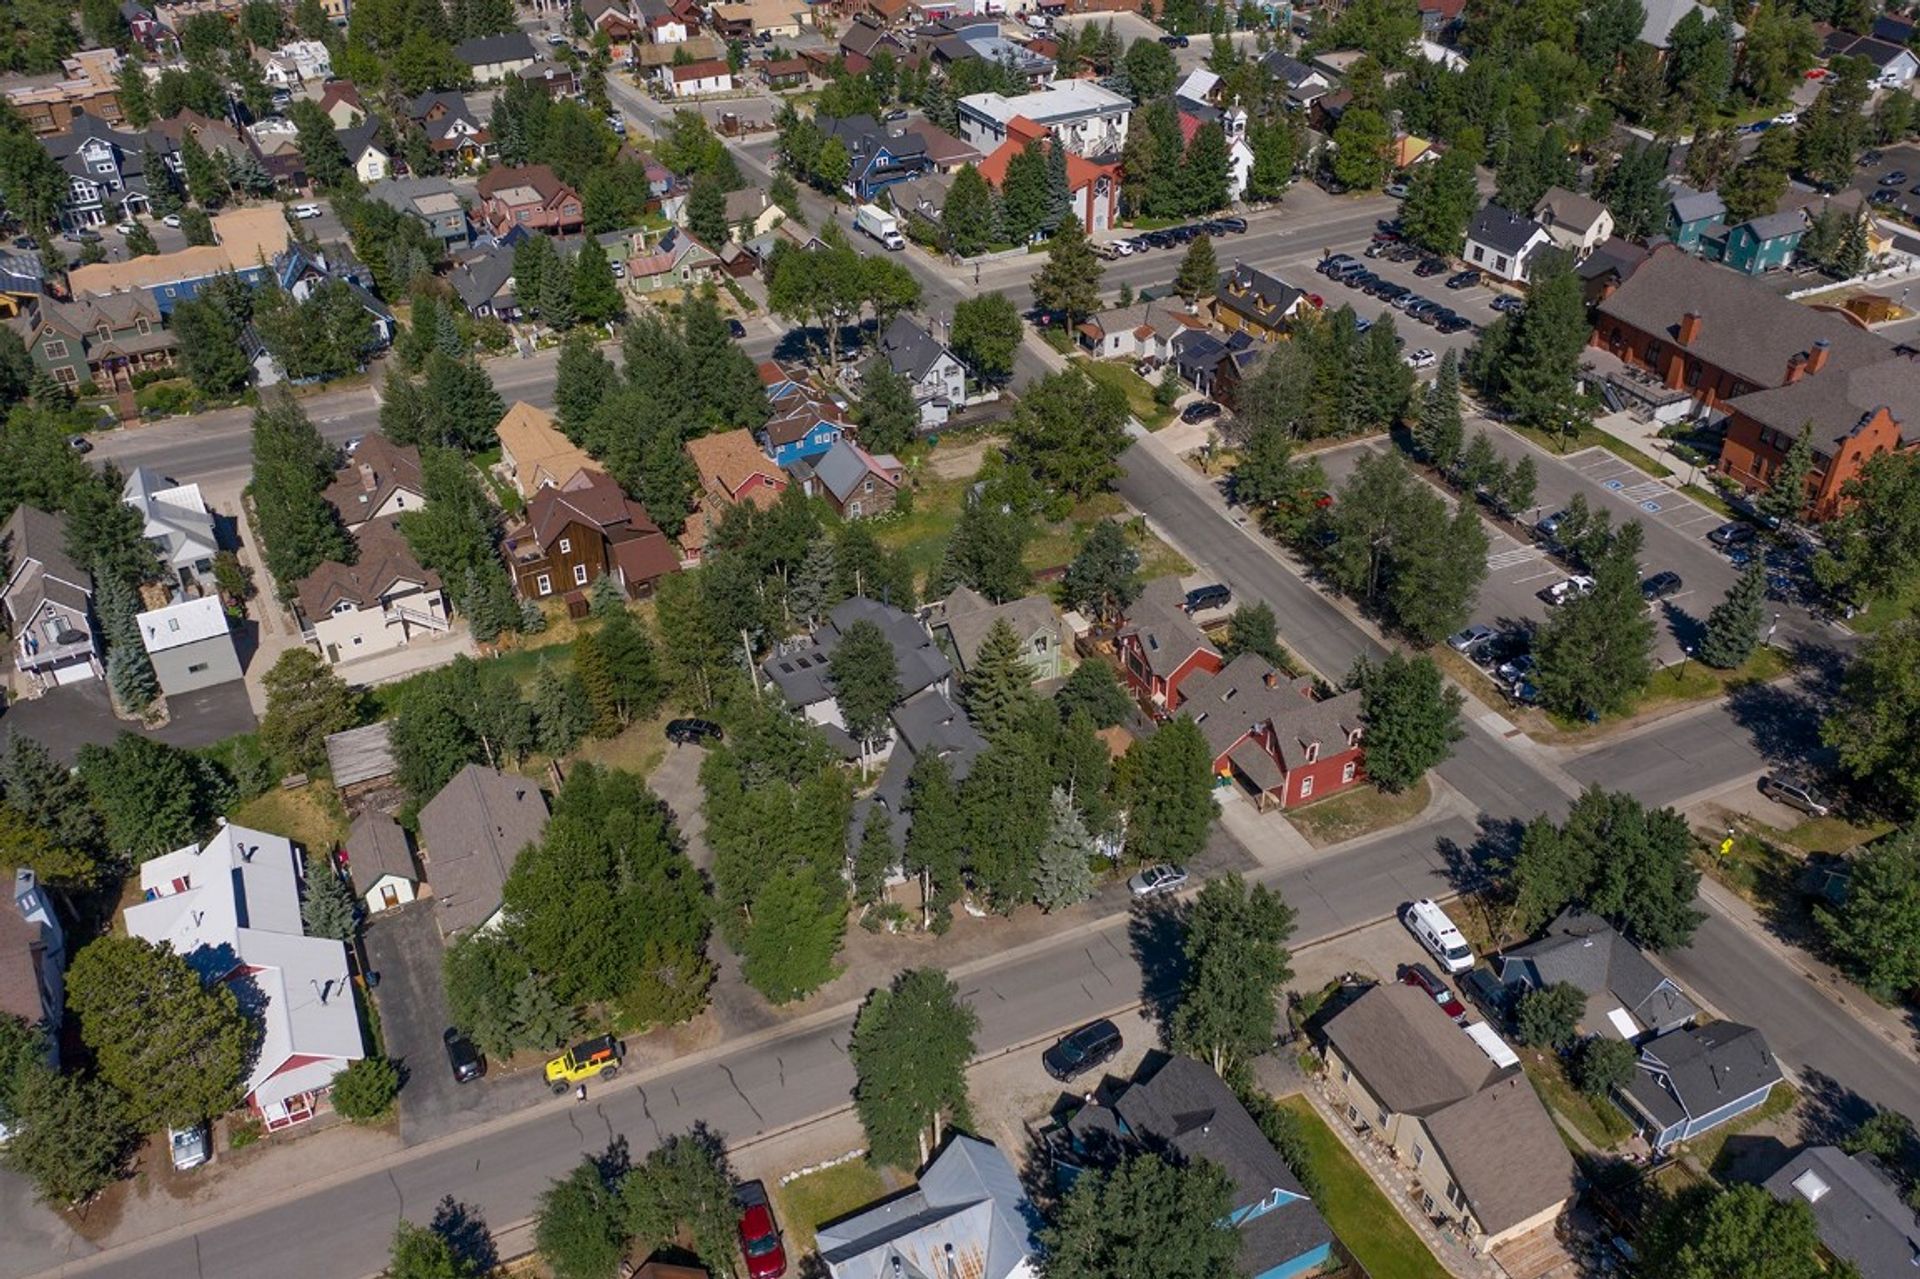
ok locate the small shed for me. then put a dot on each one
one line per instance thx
(360, 755)
(380, 862)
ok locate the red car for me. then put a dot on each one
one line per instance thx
(1421, 977)
(759, 1233)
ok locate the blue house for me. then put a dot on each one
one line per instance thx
(1177, 1106)
(1762, 245)
(803, 426)
(1697, 1078)
(879, 158)
(1691, 213)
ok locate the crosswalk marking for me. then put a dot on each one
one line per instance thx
(1641, 492)
(1508, 559)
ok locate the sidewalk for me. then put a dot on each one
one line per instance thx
(419, 655)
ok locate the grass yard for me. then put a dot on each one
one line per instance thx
(310, 816)
(1834, 834)
(1758, 869)
(1139, 394)
(1357, 1209)
(1360, 811)
(638, 749)
(1056, 338)
(809, 1202)
(1600, 1122)
(1707, 1148)
(1688, 681)
(1882, 613)
(1711, 500)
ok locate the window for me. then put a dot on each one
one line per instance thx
(54, 349)
(356, 641)
(140, 324)
(173, 623)
(1345, 1074)
(196, 668)
(65, 376)
(1456, 1196)
(1479, 254)
(344, 606)
(566, 545)
(1500, 262)
(104, 333)
(52, 627)
(579, 574)
(1419, 1153)
(1306, 787)
(1353, 1112)
(1313, 752)
(1382, 1120)
(1346, 774)
(543, 584)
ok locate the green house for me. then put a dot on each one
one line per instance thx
(1764, 244)
(1690, 214)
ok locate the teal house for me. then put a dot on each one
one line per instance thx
(1762, 245)
(1690, 214)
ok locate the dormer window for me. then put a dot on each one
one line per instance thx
(1313, 752)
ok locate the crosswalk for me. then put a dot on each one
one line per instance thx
(1641, 492)
(1514, 558)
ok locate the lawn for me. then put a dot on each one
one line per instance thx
(809, 1202)
(1600, 1122)
(1707, 1147)
(638, 749)
(1133, 386)
(1357, 1209)
(1834, 834)
(1760, 870)
(1882, 613)
(1688, 681)
(1360, 811)
(1711, 500)
(1590, 437)
(310, 816)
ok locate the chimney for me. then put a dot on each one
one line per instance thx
(1689, 328)
(1273, 679)
(368, 480)
(1796, 368)
(1818, 359)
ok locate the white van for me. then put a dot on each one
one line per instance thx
(1436, 932)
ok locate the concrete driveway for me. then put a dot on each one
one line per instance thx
(65, 719)
(677, 782)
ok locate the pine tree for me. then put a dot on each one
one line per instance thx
(1199, 274)
(129, 670)
(1170, 801)
(583, 379)
(1070, 281)
(1059, 194)
(936, 838)
(596, 294)
(968, 214)
(562, 715)
(329, 910)
(1733, 627)
(999, 685)
(556, 297)
(1785, 498)
(874, 857)
(603, 598)
(1063, 874)
(810, 591)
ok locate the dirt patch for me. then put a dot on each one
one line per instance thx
(962, 461)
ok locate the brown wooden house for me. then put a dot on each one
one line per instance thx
(579, 531)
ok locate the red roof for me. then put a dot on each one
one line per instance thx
(700, 70)
(1081, 171)
(1022, 130)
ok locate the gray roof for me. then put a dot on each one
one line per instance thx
(480, 277)
(1262, 298)
(358, 138)
(1248, 692)
(1695, 1070)
(377, 847)
(401, 194)
(1293, 72)
(1773, 226)
(1502, 231)
(193, 528)
(1689, 205)
(969, 1199)
(1569, 209)
(842, 467)
(927, 721)
(801, 673)
(1504, 1152)
(967, 618)
(33, 546)
(1167, 634)
(1857, 1209)
(1409, 1053)
(1584, 950)
(1880, 53)
(910, 349)
(1662, 16)
(472, 832)
(504, 48)
(360, 754)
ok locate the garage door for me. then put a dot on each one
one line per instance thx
(73, 673)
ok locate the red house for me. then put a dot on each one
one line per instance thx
(1272, 737)
(530, 196)
(1159, 647)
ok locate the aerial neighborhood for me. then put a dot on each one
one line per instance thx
(891, 639)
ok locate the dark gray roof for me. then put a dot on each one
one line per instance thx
(1262, 298)
(1500, 230)
(454, 102)
(1773, 226)
(1167, 633)
(910, 349)
(1857, 1209)
(480, 276)
(969, 1200)
(1291, 71)
(1249, 692)
(1504, 1153)
(1689, 205)
(484, 49)
(472, 832)
(967, 618)
(1879, 52)
(377, 847)
(1612, 255)
(1584, 950)
(841, 468)
(800, 673)
(358, 138)
(1695, 1070)
(927, 721)
(36, 542)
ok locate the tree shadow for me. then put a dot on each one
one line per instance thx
(465, 1231)
(1783, 722)
(1476, 868)
(1687, 630)
(1155, 932)
(1829, 1110)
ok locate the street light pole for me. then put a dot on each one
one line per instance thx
(1771, 629)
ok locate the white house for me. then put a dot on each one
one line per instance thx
(380, 863)
(190, 645)
(369, 159)
(1576, 223)
(297, 63)
(177, 523)
(1894, 64)
(1087, 119)
(494, 58)
(696, 78)
(1502, 244)
(231, 907)
(379, 603)
(938, 379)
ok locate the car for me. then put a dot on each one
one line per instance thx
(1429, 267)
(1421, 977)
(1386, 233)
(588, 1059)
(1199, 411)
(124, 228)
(1175, 42)
(1451, 323)
(1328, 265)
(759, 1232)
(1424, 309)
(1431, 927)
(1759, 126)
(1462, 640)
(1660, 586)
(736, 330)
(1869, 158)
(1202, 598)
(1317, 302)
(1361, 324)
(1330, 184)
(1509, 305)
(1122, 248)
(1078, 1051)
(1495, 649)
(1361, 280)
(172, 220)
(1897, 178)
(893, 117)
(80, 444)
(462, 1057)
(1883, 196)
(1378, 249)
(1731, 534)
(1236, 226)
(1571, 588)
(618, 123)
(1402, 253)
(81, 236)
(1526, 693)
(1422, 359)
(1515, 670)
(190, 1146)
(1396, 190)
(555, 39)
(1155, 880)
(1786, 119)
(1380, 288)
(306, 211)
(1389, 292)
(693, 732)
(1463, 279)
(1794, 791)
(26, 242)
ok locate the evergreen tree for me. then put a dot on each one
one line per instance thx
(136, 103)
(1441, 429)
(596, 294)
(1094, 690)
(968, 213)
(790, 944)
(205, 181)
(999, 685)
(1733, 627)
(129, 669)
(1025, 196)
(1148, 1215)
(1785, 497)
(1170, 796)
(873, 857)
(1594, 654)
(887, 414)
(583, 379)
(330, 909)
(1063, 873)
(1412, 718)
(292, 467)
(1070, 281)
(1004, 803)
(1875, 930)
(562, 714)
(1104, 575)
(1199, 274)
(866, 681)
(1059, 196)
(707, 212)
(557, 310)
(1204, 171)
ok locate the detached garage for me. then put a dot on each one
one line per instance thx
(190, 645)
(380, 863)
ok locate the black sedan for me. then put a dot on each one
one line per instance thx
(1429, 266)
(462, 1057)
(1463, 280)
(1452, 323)
(1898, 178)
(737, 329)
(1662, 585)
(1201, 411)
(692, 732)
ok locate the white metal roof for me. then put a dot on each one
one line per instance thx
(1490, 1043)
(180, 624)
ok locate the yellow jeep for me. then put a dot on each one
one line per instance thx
(583, 1061)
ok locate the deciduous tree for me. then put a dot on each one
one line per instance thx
(1069, 432)
(1069, 282)
(1236, 962)
(306, 702)
(1412, 718)
(1550, 1017)
(912, 1042)
(1147, 1216)
(1875, 931)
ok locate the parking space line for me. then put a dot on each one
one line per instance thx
(1536, 577)
(1641, 492)
(1508, 559)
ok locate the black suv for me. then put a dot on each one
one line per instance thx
(692, 732)
(462, 1057)
(1087, 1048)
(1660, 586)
(1204, 597)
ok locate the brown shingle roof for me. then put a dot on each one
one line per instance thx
(1503, 1151)
(385, 559)
(539, 454)
(728, 460)
(19, 965)
(377, 468)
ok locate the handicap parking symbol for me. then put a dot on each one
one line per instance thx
(1651, 508)
(1615, 484)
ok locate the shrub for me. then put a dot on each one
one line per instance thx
(365, 1091)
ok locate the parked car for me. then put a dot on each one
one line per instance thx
(1235, 226)
(1403, 253)
(306, 211)
(1430, 267)
(172, 220)
(1571, 588)
(1155, 880)
(1731, 534)
(692, 732)
(1462, 640)
(555, 39)
(1787, 119)
(1422, 359)
(1897, 178)
(1516, 670)
(1488, 991)
(1078, 1051)
(81, 236)
(1328, 265)
(1421, 977)
(1795, 792)
(759, 1232)
(1548, 527)
(1431, 927)
(1175, 42)
(462, 1057)
(1509, 305)
(1330, 184)
(1202, 598)
(1660, 586)
(1199, 411)
(124, 228)
(80, 444)
(1883, 196)
(1361, 324)
(1450, 322)
(1869, 157)
(1463, 279)
(1398, 190)
(190, 1146)
(736, 330)
(599, 1056)
(1424, 310)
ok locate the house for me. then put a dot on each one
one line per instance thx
(1660, 17)
(927, 723)
(231, 908)
(1502, 244)
(938, 379)
(854, 482)
(864, 37)
(555, 79)
(1696, 1078)
(577, 532)
(781, 73)
(692, 79)
(667, 22)
(968, 1215)
(1269, 734)
(1086, 119)
(962, 621)
(1627, 997)
(677, 261)
(379, 862)
(1690, 213)
(751, 214)
(1305, 84)
(1193, 99)
(105, 167)
(947, 42)
(1159, 646)
(455, 133)
(494, 58)
(1611, 262)
(1768, 366)
(1093, 187)
(772, 19)
(1252, 302)
(1894, 64)
(528, 196)
(1213, 365)
(48, 601)
(33, 960)
(1438, 17)
(88, 85)
(534, 453)
(380, 481)
(369, 160)
(247, 242)
(803, 425)
(471, 833)
(799, 668)
(1575, 223)
(96, 341)
(1452, 1103)
(1755, 247)
(23, 282)
(1856, 1207)
(340, 103)
(613, 18)
(276, 142)
(374, 605)
(1142, 331)
(190, 645)
(358, 757)
(482, 278)
(1176, 1105)
(732, 470)
(878, 156)
(432, 202)
(297, 62)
